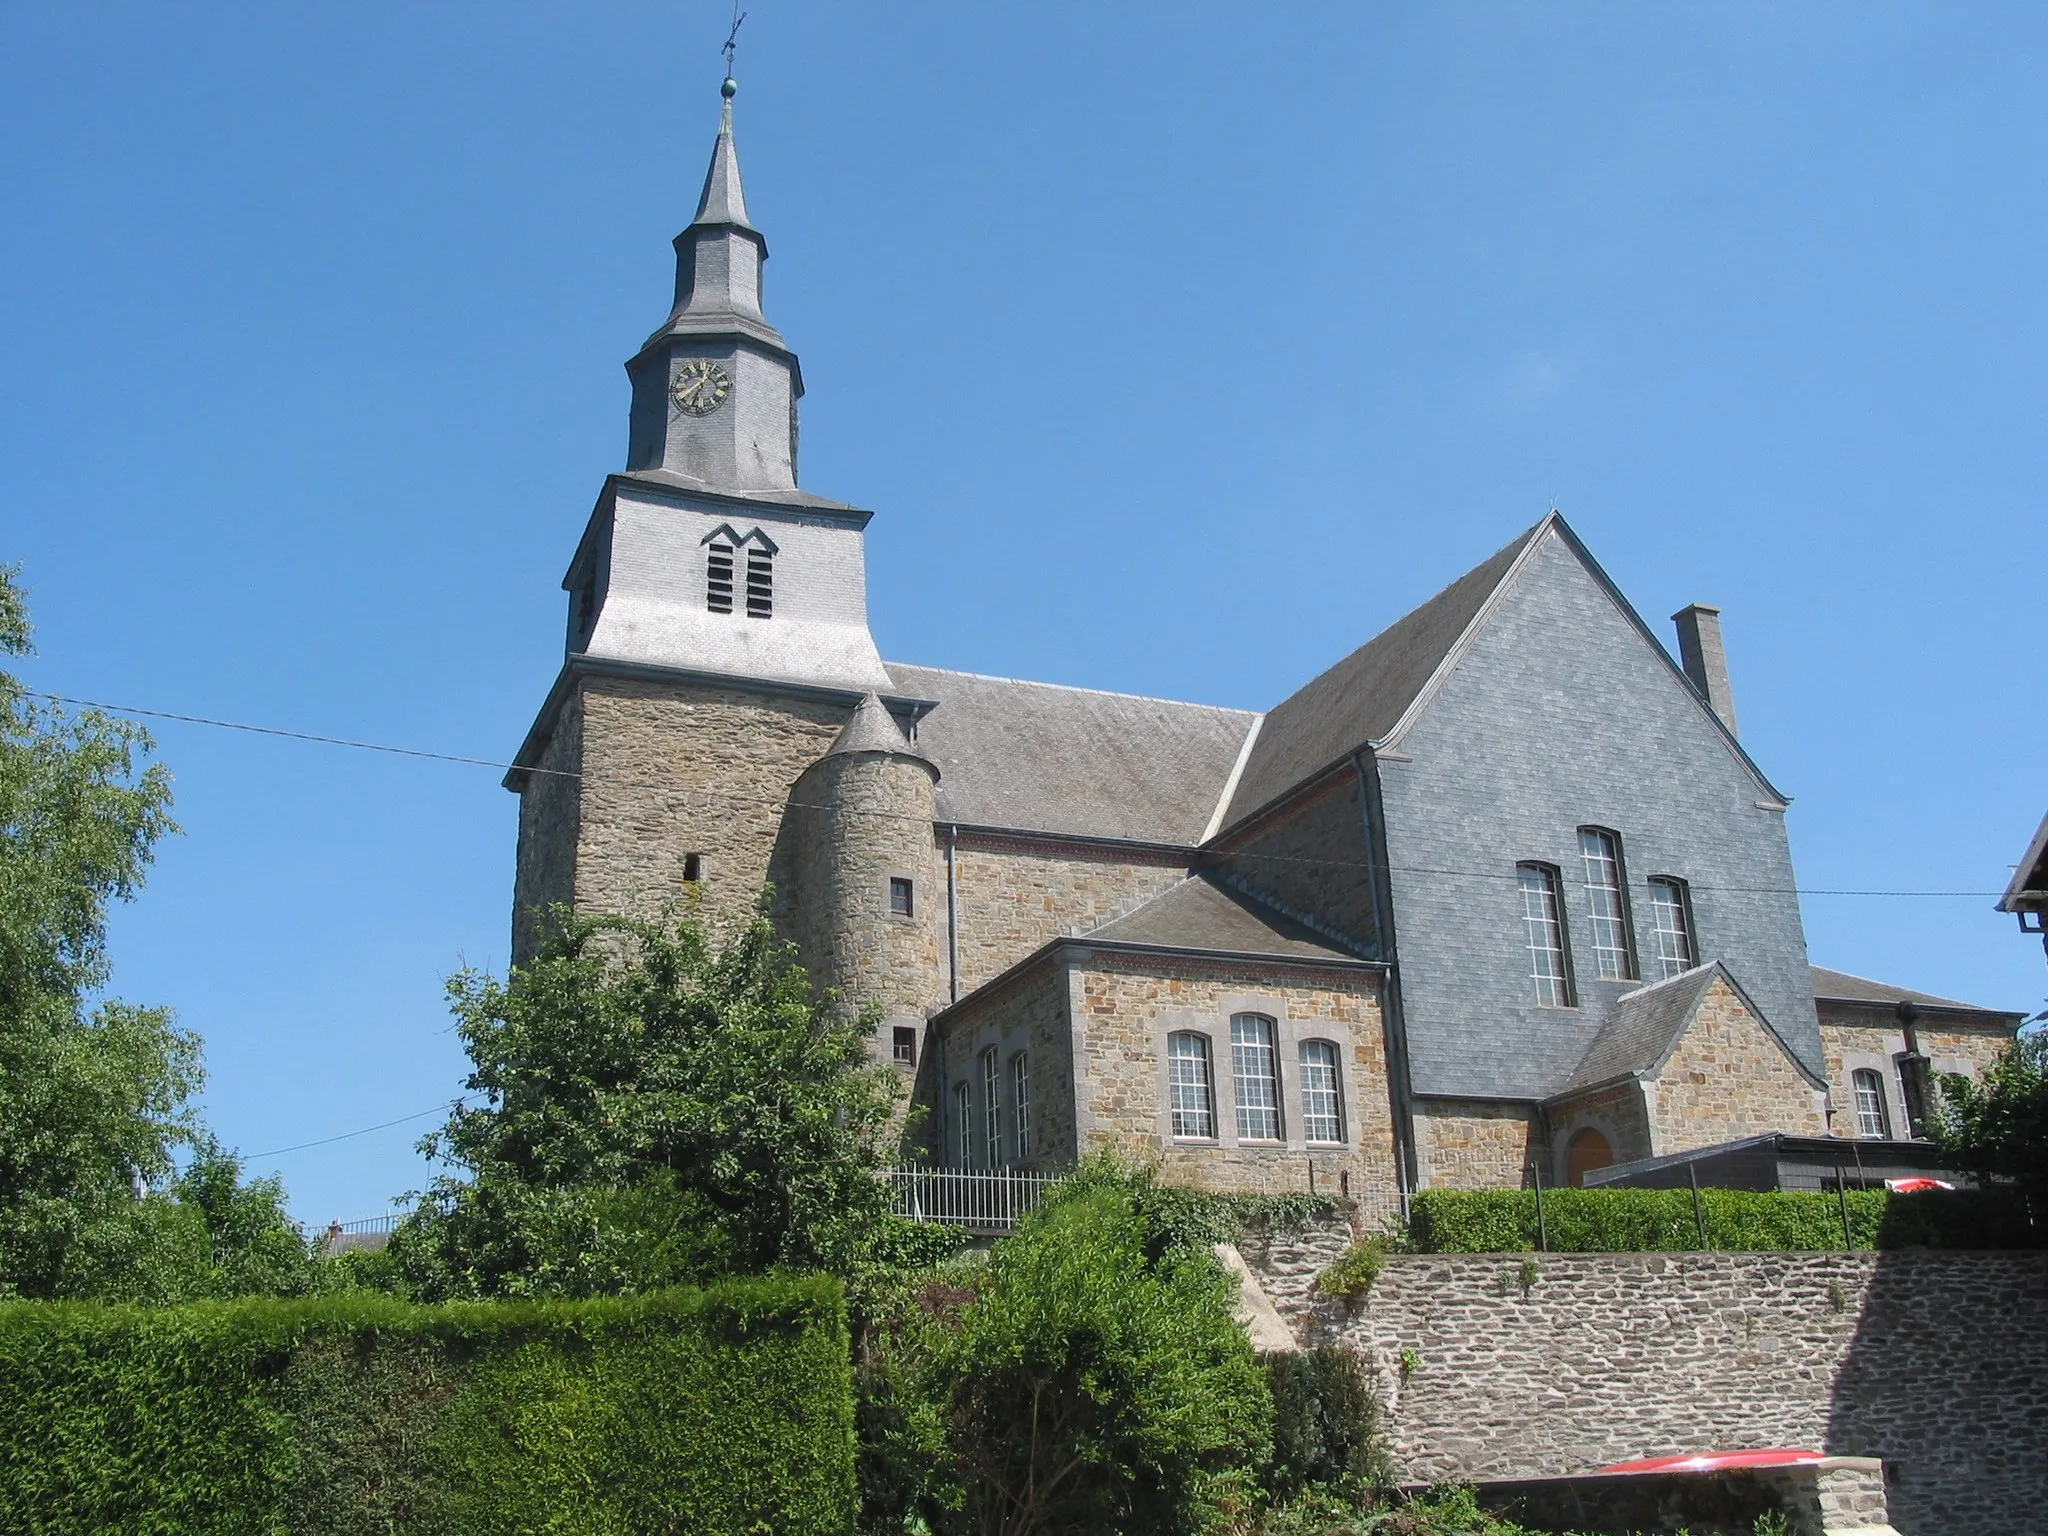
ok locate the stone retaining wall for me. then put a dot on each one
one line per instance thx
(1537, 1365)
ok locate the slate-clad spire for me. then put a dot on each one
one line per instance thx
(715, 389)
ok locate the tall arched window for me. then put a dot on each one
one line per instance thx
(1322, 1101)
(1543, 934)
(992, 1106)
(1872, 1120)
(1255, 1069)
(963, 1125)
(1614, 955)
(1671, 919)
(1020, 1103)
(1191, 1096)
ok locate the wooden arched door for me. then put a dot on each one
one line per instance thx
(1588, 1150)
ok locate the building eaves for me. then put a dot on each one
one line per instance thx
(1841, 987)
(2029, 889)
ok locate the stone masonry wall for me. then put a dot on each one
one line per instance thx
(671, 769)
(1726, 1079)
(1473, 1145)
(1936, 1362)
(1619, 1112)
(545, 870)
(1028, 1014)
(1016, 895)
(1312, 859)
(1126, 1007)
(1855, 1037)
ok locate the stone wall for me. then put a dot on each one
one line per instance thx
(1619, 1112)
(1030, 1014)
(1545, 1364)
(1858, 1037)
(1015, 895)
(673, 768)
(1727, 1079)
(1311, 859)
(545, 871)
(1470, 1144)
(1128, 1004)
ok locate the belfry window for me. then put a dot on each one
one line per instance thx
(1543, 935)
(1255, 1068)
(718, 579)
(1191, 1098)
(760, 584)
(1671, 925)
(1613, 955)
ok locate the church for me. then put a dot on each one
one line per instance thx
(1499, 896)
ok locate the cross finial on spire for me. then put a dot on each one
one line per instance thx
(732, 47)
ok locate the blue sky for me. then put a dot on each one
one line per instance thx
(1178, 349)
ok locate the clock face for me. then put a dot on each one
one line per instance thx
(699, 387)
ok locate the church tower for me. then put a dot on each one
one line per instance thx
(717, 650)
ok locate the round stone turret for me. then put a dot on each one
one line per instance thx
(871, 889)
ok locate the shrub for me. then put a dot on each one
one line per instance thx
(1663, 1220)
(1351, 1277)
(1326, 1425)
(360, 1413)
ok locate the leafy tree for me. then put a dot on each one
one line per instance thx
(92, 1091)
(656, 1108)
(1085, 1379)
(1999, 1127)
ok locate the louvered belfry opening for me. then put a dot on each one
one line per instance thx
(760, 584)
(718, 582)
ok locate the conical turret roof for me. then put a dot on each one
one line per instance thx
(874, 729)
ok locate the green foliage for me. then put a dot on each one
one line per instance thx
(1326, 1425)
(1662, 1220)
(1089, 1376)
(722, 1411)
(1999, 1128)
(656, 1110)
(1195, 1219)
(1355, 1270)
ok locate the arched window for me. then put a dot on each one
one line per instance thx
(963, 1125)
(1671, 921)
(1322, 1111)
(1872, 1121)
(1020, 1103)
(1543, 934)
(1614, 956)
(1255, 1068)
(1588, 1150)
(1191, 1096)
(992, 1107)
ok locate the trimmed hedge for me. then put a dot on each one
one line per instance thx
(725, 1410)
(1663, 1221)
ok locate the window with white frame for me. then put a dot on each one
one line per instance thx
(1872, 1122)
(1254, 1067)
(963, 1125)
(1020, 1104)
(1322, 1112)
(1191, 1095)
(1613, 955)
(992, 1106)
(1543, 934)
(1671, 926)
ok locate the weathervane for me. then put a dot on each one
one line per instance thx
(732, 46)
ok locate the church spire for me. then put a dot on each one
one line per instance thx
(715, 389)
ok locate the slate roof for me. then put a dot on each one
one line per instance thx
(1840, 986)
(1362, 697)
(1640, 1028)
(2029, 889)
(1043, 758)
(1200, 914)
(873, 729)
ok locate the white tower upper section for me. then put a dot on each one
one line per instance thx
(703, 556)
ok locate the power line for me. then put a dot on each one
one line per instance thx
(351, 1135)
(724, 800)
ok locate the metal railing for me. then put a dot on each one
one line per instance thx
(369, 1234)
(981, 1200)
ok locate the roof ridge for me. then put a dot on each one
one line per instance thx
(1107, 693)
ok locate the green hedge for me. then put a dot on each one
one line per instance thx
(1663, 1221)
(726, 1410)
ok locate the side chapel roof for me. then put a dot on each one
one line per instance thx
(1841, 987)
(1643, 1026)
(1200, 914)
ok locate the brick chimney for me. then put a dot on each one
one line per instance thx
(1705, 662)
